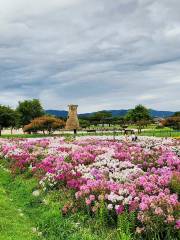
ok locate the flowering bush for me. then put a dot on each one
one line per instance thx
(114, 177)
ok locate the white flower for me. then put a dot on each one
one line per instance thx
(39, 234)
(120, 198)
(36, 193)
(34, 229)
(110, 206)
(127, 200)
(136, 198)
(116, 207)
(45, 201)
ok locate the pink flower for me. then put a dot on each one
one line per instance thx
(143, 206)
(158, 211)
(174, 199)
(92, 197)
(133, 206)
(88, 202)
(101, 197)
(170, 219)
(119, 209)
(139, 230)
(177, 226)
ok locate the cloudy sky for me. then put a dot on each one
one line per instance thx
(100, 54)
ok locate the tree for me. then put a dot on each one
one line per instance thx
(8, 117)
(100, 117)
(173, 122)
(15, 120)
(84, 123)
(28, 110)
(44, 123)
(139, 115)
(176, 114)
(122, 122)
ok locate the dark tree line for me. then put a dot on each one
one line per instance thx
(173, 122)
(139, 116)
(25, 112)
(8, 117)
(29, 110)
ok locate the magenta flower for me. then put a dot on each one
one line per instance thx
(119, 209)
(177, 226)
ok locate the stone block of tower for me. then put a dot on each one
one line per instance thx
(72, 122)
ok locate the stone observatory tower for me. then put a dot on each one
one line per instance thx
(72, 122)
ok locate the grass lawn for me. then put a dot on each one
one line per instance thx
(21, 212)
(14, 225)
(165, 132)
(23, 135)
(160, 133)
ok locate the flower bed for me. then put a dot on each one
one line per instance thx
(116, 177)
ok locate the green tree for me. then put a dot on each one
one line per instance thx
(8, 117)
(28, 110)
(84, 123)
(139, 115)
(15, 120)
(122, 122)
(176, 114)
(100, 117)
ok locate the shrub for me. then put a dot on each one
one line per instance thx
(173, 122)
(44, 123)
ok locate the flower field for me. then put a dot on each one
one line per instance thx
(135, 184)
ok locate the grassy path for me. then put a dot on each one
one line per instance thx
(14, 224)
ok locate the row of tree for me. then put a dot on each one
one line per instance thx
(139, 116)
(31, 116)
(173, 121)
(25, 112)
(8, 117)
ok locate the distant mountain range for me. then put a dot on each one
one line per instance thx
(115, 113)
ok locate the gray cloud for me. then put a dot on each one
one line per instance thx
(100, 54)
